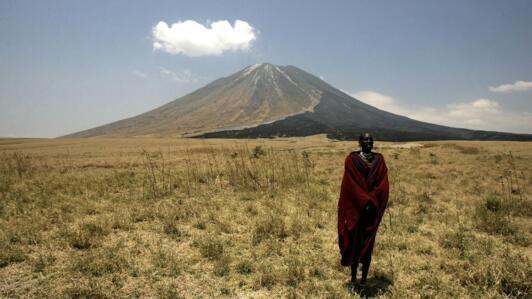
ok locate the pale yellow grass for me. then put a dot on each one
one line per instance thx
(146, 217)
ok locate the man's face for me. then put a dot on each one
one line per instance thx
(366, 143)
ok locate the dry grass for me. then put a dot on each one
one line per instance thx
(257, 218)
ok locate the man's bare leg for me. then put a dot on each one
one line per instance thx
(365, 270)
(354, 268)
(354, 286)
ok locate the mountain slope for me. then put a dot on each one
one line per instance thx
(257, 94)
(267, 100)
(340, 116)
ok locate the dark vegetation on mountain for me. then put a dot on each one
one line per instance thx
(279, 101)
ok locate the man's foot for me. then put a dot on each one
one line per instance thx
(353, 287)
(362, 290)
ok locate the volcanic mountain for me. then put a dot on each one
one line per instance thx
(267, 100)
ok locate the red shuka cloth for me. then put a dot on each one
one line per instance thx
(362, 184)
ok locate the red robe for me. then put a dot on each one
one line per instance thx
(362, 184)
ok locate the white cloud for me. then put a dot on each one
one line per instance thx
(480, 114)
(193, 39)
(184, 76)
(488, 105)
(473, 110)
(516, 86)
(378, 100)
(140, 74)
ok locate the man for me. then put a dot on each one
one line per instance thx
(363, 198)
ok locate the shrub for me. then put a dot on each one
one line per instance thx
(267, 278)
(87, 235)
(80, 240)
(211, 248)
(11, 255)
(102, 261)
(200, 225)
(493, 203)
(246, 197)
(424, 202)
(171, 228)
(519, 207)
(433, 158)
(298, 227)
(459, 239)
(258, 152)
(90, 290)
(468, 150)
(22, 164)
(252, 210)
(515, 280)
(244, 267)
(42, 262)
(493, 218)
(168, 291)
(295, 273)
(424, 198)
(158, 179)
(221, 267)
(272, 226)
(508, 274)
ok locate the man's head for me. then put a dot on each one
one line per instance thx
(366, 142)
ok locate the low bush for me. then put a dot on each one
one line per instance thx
(211, 248)
(9, 255)
(86, 235)
(295, 273)
(221, 267)
(272, 226)
(492, 217)
(244, 267)
(102, 261)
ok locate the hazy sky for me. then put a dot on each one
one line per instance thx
(69, 65)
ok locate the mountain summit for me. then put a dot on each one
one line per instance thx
(266, 100)
(258, 94)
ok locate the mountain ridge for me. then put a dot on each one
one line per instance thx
(266, 100)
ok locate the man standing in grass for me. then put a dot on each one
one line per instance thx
(363, 198)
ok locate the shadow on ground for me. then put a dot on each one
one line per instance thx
(374, 286)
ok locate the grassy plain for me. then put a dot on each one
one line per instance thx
(257, 218)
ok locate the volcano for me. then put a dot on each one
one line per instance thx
(266, 100)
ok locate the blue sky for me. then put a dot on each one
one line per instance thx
(66, 66)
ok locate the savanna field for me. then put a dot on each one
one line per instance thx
(172, 218)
